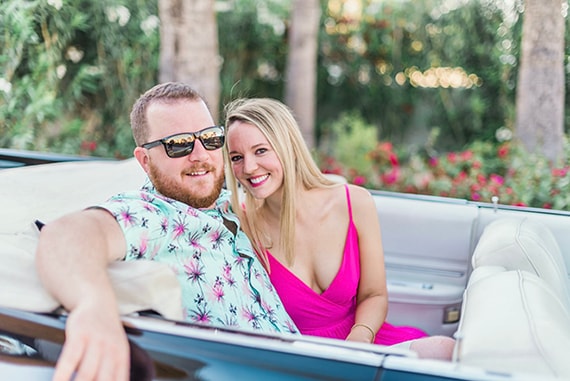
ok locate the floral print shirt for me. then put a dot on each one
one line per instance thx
(223, 283)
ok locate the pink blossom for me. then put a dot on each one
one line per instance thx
(393, 159)
(503, 151)
(88, 145)
(497, 179)
(559, 172)
(481, 179)
(385, 146)
(334, 171)
(460, 177)
(391, 176)
(359, 180)
(466, 155)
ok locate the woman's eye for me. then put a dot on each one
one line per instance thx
(261, 150)
(235, 158)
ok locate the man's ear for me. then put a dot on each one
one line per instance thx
(142, 157)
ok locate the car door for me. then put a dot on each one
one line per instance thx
(428, 242)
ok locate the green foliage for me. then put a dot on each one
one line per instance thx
(72, 69)
(365, 62)
(366, 66)
(253, 45)
(348, 140)
(69, 60)
(480, 171)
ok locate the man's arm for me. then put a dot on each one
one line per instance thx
(72, 258)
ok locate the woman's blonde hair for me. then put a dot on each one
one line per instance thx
(277, 123)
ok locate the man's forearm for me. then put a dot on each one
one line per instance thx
(72, 258)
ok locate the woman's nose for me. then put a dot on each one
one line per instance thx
(249, 165)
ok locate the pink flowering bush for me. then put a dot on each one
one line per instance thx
(478, 173)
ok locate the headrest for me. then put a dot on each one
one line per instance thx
(521, 244)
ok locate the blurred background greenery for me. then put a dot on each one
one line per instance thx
(431, 77)
(71, 70)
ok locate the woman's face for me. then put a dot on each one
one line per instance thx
(253, 160)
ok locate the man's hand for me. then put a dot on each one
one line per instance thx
(72, 258)
(96, 347)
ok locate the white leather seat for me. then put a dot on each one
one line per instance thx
(139, 285)
(515, 315)
(521, 244)
(37, 192)
(512, 321)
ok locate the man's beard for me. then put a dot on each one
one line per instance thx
(171, 189)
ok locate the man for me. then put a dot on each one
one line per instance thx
(180, 218)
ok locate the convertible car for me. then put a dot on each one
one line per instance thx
(492, 276)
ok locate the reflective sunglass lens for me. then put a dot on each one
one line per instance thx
(180, 146)
(213, 142)
(178, 153)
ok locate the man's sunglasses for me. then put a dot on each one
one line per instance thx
(179, 145)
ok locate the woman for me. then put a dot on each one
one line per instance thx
(319, 240)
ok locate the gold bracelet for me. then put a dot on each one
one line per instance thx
(367, 327)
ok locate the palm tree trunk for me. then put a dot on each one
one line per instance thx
(301, 72)
(189, 47)
(540, 89)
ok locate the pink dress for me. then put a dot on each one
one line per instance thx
(332, 313)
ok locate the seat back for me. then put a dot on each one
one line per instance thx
(512, 321)
(521, 244)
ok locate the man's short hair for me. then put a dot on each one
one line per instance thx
(164, 92)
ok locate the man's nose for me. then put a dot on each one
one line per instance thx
(199, 153)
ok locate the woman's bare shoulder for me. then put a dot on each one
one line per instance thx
(330, 200)
(360, 195)
(363, 205)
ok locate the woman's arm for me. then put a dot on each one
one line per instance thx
(372, 298)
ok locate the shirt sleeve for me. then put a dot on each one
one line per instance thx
(143, 222)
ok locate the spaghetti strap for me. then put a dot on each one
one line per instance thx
(348, 202)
